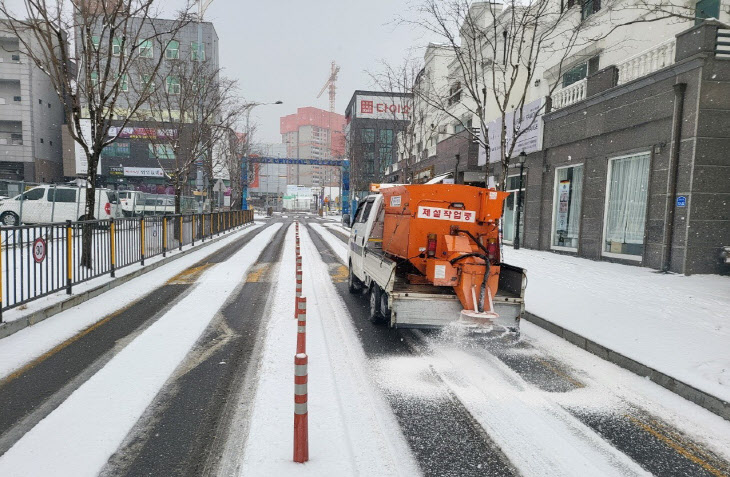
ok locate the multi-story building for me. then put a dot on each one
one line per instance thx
(31, 117)
(312, 133)
(374, 120)
(139, 157)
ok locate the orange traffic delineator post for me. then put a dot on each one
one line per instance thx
(301, 431)
(299, 282)
(302, 325)
(299, 285)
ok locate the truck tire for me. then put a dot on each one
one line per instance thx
(353, 283)
(376, 316)
(384, 309)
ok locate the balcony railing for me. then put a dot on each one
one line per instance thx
(570, 94)
(646, 62)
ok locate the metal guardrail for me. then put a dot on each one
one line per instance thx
(722, 43)
(37, 260)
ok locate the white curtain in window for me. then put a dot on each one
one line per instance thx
(626, 209)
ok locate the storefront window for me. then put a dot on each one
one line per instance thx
(510, 208)
(626, 205)
(566, 208)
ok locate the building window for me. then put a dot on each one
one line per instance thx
(40, 101)
(706, 9)
(124, 83)
(17, 99)
(146, 82)
(161, 151)
(117, 149)
(173, 85)
(95, 42)
(454, 93)
(146, 50)
(41, 140)
(566, 207)
(580, 71)
(197, 53)
(510, 207)
(94, 78)
(116, 47)
(172, 52)
(626, 199)
(458, 127)
(15, 57)
(16, 139)
(589, 7)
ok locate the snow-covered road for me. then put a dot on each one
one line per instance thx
(204, 385)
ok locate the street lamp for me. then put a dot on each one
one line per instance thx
(244, 165)
(521, 159)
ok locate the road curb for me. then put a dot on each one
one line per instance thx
(12, 327)
(690, 393)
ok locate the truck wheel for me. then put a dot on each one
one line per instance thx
(10, 219)
(375, 315)
(353, 283)
(384, 309)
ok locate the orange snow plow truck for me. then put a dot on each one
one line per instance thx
(429, 255)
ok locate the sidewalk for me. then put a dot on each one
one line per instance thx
(675, 324)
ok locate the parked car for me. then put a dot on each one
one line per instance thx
(49, 203)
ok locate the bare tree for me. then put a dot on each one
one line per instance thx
(197, 109)
(408, 78)
(500, 51)
(91, 77)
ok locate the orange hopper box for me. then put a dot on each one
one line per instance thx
(415, 212)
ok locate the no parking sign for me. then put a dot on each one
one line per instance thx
(39, 250)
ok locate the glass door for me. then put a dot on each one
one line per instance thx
(509, 216)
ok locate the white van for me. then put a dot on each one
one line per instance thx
(48, 203)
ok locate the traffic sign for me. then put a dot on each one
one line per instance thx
(681, 201)
(39, 250)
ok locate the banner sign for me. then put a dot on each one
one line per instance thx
(143, 172)
(383, 107)
(142, 133)
(82, 164)
(529, 141)
(446, 214)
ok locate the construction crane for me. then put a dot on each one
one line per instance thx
(331, 84)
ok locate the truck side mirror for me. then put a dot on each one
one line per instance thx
(346, 220)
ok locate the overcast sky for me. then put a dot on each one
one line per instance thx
(281, 50)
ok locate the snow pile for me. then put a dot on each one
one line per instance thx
(78, 437)
(675, 324)
(351, 430)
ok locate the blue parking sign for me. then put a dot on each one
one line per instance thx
(681, 201)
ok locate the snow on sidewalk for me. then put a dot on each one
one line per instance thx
(351, 429)
(25, 345)
(78, 437)
(675, 324)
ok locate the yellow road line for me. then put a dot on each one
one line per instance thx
(257, 272)
(562, 373)
(339, 274)
(189, 276)
(676, 446)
